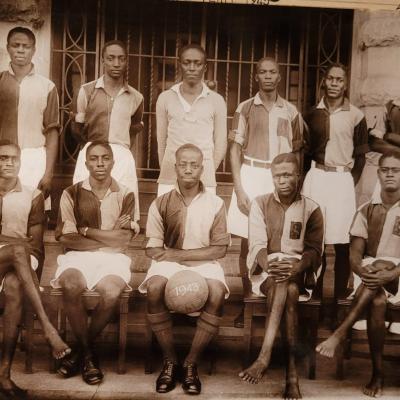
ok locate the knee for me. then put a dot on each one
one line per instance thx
(292, 292)
(216, 294)
(379, 301)
(156, 289)
(111, 294)
(19, 251)
(72, 285)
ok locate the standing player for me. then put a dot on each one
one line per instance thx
(285, 245)
(186, 228)
(336, 143)
(263, 127)
(110, 110)
(189, 112)
(29, 112)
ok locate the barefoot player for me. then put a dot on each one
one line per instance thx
(186, 228)
(21, 252)
(285, 246)
(374, 258)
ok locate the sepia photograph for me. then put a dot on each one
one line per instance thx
(199, 198)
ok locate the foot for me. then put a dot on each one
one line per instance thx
(374, 387)
(9, 390)
(292, 390)
(254, 373)
(91, 372)
(59, 348)
(168, 377)
(190, 379)
(328, 347)
(70, 364)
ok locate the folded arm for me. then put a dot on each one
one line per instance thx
(180, 255)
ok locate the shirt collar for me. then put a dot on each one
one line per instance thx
(11, 71)
(114, 187)
(204, 93)
(396, 102)
(377, 199)
(279, 102)
(202, 189)
(16, 188)
(297, 198)
(100, 84)
(344, 107)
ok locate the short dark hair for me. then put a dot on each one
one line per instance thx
(270, 59)
(112, 43)
(337, 65)
(102, 143)
(6, 142)
(188, 146)
(21, 29)
(194, 46)
(389, 154)
(286, 158)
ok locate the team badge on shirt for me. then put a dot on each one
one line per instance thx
(396, 227)
(295, 230)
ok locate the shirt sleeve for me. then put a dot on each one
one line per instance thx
(137, 116)
(128, 205)
(359, 227)
(219, 235)
(297, 132)
(66, 222)
(313, 239)
(81, 104)
(51, 117)
(154, 227)
(361, 138)
(162, 127)
(258, 237)
(220, 135)
(238, 130)
(36, 214)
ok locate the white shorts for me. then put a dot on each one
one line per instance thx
(33, 167)
(335, 194)
(34, 266)
(164, 188)
(209, 270)
(367, 184)
(255, 181)
(393, 295)
(94, 266)
(258, 280)
(124, 170)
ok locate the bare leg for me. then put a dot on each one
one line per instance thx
(376, 338)
(110, 289)
(73, 284)
(292, 390)
(361, 300)
(244, 249)
(11, 319)
(276, 298)
(208, 322)
(16, 258)
(159, 316)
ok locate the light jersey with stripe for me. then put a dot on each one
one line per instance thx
(172, 224)
(202, 123)
(28, 109)
(335, 139)
(108, 119)
(379, 226)
(265, 134)
(80, 207)
(298, 230)
(22, 208)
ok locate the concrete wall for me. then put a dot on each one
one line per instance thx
(43, 39)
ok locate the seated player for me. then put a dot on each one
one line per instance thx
(186, 228)
(285, 247)
(21, 252)
(374, 258)
(94, 226)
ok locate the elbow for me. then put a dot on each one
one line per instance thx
(221, 252)
(124, 237)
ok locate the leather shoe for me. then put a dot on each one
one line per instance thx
(168, 377)
(91, 373)
(190, 382)
(69, 365)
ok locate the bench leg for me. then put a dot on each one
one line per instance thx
(339, 362)
(313, 343)
(123, 332)
(29, 325)
(148, 361)
(247, 332)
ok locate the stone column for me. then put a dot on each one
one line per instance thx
(375, 76)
